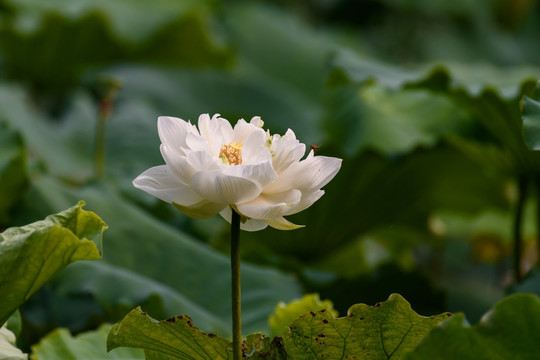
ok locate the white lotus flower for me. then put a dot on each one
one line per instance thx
(217, 167)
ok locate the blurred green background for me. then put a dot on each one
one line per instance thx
(420, 98)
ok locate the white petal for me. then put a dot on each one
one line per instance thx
(204, 126)
(249, 225)
(196, 142)
(204, 209)
(173, 132)
(262, 173)
(283, 224)
(241, 131)
(161, 183)
(178, 164)
(216, 131)
(306, 201)
(255, 149)
(322, 169)
(220, 188)
(201, 160)
(270, 206)
(307, 175)
(257, 121)
(286, 150)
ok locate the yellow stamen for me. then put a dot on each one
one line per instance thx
(231, 154)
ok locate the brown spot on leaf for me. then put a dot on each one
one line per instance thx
(172, 319)
(312, 313)
(449, 314)
(378, 304)
(323, 310)
(362, 318)
(321, 335)
(325, 321)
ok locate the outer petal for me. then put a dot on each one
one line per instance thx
(249, 225)
(270, 206)
(307, 200)
(220, 188)
(158, 181)
(173, 132)
(204, 209)
(178, 164)
(307, 175)
(323, 169)
(283, 224)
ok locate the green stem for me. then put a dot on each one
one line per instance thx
(235, 281)
(518, 220)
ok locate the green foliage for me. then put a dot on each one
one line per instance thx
(284, 314)
(174, 338)
(14, 323)
(60, 344)
(33, 254)
(176, 33)
(13, 176)
(388, 329)
(509, 331)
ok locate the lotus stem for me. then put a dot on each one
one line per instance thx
(105, 110)
(99, 159)
(235, 282)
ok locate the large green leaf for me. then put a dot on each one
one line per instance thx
(13, 177)
(31, 255)
(174, 338)
(473, 79)
(391, 122)
(509, 331)
(491, 95)
(386, 330)
(60, 344)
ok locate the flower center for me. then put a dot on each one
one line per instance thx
(231, 154)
